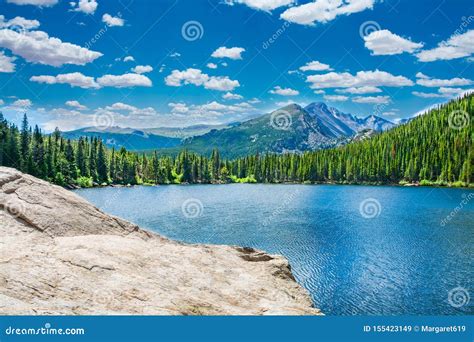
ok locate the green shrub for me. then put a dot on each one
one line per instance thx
(425, 182)
(249, 179)
(84, 182)
(59, 179)
(458, 184)
(177, 178)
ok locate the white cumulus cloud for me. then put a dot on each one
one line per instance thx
(457, 46)
(232, 53)
(450, 91)
(188, 76)
(375, 78)
(372, 99)
(196, 77)
(22, 103)
(421, 75)
(124, 81)
(120, 106)
(38, 47)
(384, 42)
(19, 22)
(334, 98)
(427, 81)
(39, 3)
(315, 66)
(112, 21)
(427, 95)
(75, 79)
(6, 63)
(180, 108)
(85, 6)
(263, 5)
(142, 69)
(231, 96)
(221, 83)
(210, 110)
(75, 104)
(145, 113)
(284, 91)
(323, 11)
(443, 92)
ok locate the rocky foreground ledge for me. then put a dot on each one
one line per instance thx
(61, 255)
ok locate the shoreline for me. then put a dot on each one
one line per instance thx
(407, 185)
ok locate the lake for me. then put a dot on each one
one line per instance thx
(359, 250)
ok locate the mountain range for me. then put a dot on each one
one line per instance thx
(288, 129)
(292, 128)
(142, 139)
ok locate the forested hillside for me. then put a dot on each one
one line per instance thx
(290, 129)
(433, 148)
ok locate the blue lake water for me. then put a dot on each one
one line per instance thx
(359, 250)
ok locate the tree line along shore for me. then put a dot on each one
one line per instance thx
(428, 150)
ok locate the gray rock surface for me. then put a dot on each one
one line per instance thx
(61, 255)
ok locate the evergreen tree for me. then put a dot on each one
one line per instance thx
(102, 164)
(25, 144)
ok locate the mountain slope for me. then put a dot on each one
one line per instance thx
(346, 124)
(129, 138)
(435, 148)
(142, 139)
(289, 129)
(184, 132)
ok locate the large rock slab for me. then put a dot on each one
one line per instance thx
(61, 255)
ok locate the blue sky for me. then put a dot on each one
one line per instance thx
(200, 61)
